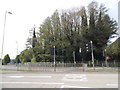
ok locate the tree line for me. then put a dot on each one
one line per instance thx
(71, 32)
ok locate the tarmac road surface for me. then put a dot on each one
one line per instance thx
(59, 80)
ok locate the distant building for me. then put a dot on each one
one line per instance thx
(119, 18)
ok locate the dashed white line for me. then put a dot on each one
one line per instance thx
(16, 76)
(50, 83)
(30, 76)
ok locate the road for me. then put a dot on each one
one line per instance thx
(59, 80)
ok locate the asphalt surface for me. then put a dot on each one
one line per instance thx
(17, 79)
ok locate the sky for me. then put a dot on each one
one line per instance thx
(27, 13)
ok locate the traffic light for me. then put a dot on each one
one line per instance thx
(88, 47)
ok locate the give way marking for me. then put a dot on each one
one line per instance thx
(68, 86)
(75, 77)
(112, 85)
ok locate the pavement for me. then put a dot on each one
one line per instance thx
(17, 79)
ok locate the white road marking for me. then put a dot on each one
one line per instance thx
(16, 76)
(39, 76)
(75, 77)
(30, 76)
(112, 84)
(68, 86)
(31, 83)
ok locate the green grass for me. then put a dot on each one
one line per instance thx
(91, 71)
(8, 69)
(100, 71)
(40, 71)
(18, 70)
(111, 71)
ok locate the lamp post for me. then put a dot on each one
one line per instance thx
(92, 54)
(4, 33)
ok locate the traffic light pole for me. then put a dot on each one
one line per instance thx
(54, 60)
(92, 55)
(74, 57)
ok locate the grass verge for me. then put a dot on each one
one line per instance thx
(99, 71)
(18, 70)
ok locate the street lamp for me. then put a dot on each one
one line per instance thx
(4, 33)
(92, 54)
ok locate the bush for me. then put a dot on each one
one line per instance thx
(46, 57)
(33, 59)
(6, 60)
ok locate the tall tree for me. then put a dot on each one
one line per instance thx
(84, 33)
(92, 7)
(34, 40)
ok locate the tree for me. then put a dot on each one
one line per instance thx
(34, 40)
(17, 59)
(114, 50)
(84, 33)
(69, 31)
(26, 55)
(33, 59)
(101, 28)
(6, 59)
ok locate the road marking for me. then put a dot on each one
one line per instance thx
(75, 77)
(68, 86)
(39, 76)
(30, 83)
(16, 76)
(30, 76)
(112, 84)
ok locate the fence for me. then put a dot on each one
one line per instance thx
(65, 67)
(49, 66)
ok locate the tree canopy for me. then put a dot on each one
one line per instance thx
(70, 31)
(114, 50)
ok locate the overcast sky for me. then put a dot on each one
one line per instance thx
(26, 13)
